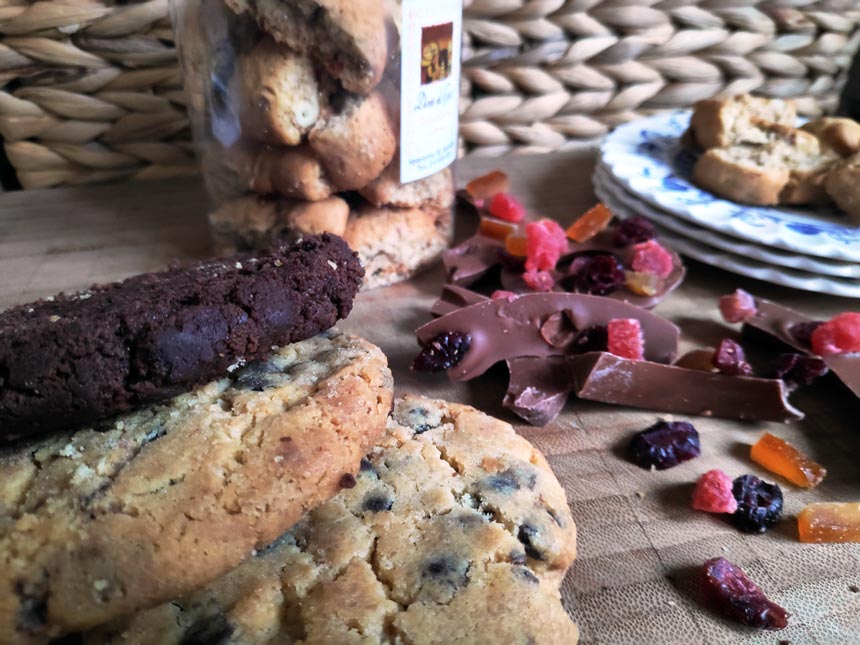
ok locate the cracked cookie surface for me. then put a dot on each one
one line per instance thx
(162, 501)
(454, 530)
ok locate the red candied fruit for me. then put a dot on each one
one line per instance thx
(714, 493)
(838, 335)
(730, 359)
(500, 294)
(545, 243)
(539, 280)
(652, 257)
(738, 306)
(735, 595)
(624, 338)
(505, 207)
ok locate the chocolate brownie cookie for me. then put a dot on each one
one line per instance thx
(102, 522)
(74, 359)
(454, 531)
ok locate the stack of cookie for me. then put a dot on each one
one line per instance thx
(754, 154)
(296, 109)
(196, 456)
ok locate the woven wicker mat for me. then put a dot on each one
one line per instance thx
(638, 538)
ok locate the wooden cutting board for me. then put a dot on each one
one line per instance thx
(639, 539)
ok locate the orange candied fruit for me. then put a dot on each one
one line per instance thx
(496, 228)
(829, 522)
(488, 185)
(516, 245)
(780, 457)
(643, 284)
(590, 224)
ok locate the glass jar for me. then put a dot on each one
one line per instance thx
(333, 116)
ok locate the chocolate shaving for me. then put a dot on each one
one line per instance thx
(538, 389)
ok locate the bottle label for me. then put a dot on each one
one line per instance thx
(431, 37)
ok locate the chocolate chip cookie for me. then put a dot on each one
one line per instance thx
(454, 530)
(160, 502)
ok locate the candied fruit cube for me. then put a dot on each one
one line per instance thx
(625, 339)
(698, 359)
(590, 224)
(486, 186)
(539, 280)
(713, 493)
(839, 335)
(730, 359)
(506, 207)
(738, 306)
(780, 457)
(545, 243)
(516, 245)
(496, 228)
(829, 522)
(664, 445)
(643, 284)
(735, 595)
(652, 257)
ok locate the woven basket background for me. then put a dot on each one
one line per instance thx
(92, 92)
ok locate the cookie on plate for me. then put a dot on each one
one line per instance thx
(721, 122)
(840, 134)
(454, 531)
(162, 501)
(843, 185)
(277, 93)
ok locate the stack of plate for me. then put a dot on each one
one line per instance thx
(643, 170)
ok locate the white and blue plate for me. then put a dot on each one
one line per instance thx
(646, 157)
(692, 247)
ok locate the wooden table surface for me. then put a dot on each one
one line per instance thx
(639, 540)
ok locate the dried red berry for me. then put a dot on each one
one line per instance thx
(802, 332)
(539, 280)
(839, 335)
(624, 339)
(730, 359)
(634, 230)
(738, 306)
(442, 352)
(652, 257)
(545, 243)
(506, 207)
(799, 369)
(599, 275)
(713, 493)
(735, 595)
(759, 504)
(665, 444)
(591, 339)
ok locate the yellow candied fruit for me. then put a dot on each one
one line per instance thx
(780, 457)
(829, 522)
(516, 245)
(496, 228)
(589, 224)
(488, 185)
(643, 284)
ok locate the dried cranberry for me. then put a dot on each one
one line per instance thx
(634, 230)
(735, 595)
(759, 504)
(591, 339)
(802, 332)
(665, 444)
(442, 352)
(799, 369)
(730, 359)
(599, 275)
